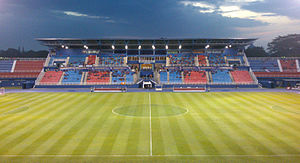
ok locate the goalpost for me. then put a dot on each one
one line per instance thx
(2, 91)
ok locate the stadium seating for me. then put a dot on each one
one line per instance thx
(191, 77)
(163, 77)
(76, 60)
(107, 60)
(264, 64)
(221, 76)
(119, 76)
(98, 77)
(29, 66)
(181, 59)
(241, 77)
(288, 65)
(57, 57)
(175, 76)
(278, 74)
(72, 76)
(51, 77)
(91, 59)
(6, 65)
(216, 59)
(202, 60)
(19, 75)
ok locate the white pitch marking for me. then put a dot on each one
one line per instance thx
(150, 124)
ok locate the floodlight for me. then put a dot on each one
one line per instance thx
(230, 46)
(179, 47)
(167, 47)
(126, 47)
(140, 47)
(153, 47)
(207, 46)
(63, 46)
(113, 46)
(226, 47)
(67, 47)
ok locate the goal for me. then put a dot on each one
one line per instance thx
(2, 91)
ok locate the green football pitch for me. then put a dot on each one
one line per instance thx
(141, 127)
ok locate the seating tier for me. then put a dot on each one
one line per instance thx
(241, 77)
(98, 77)
(191, 77)
(52, 77)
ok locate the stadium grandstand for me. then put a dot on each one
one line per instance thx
(132, 63)
(83, 63)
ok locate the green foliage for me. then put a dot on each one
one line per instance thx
(253, 51)
(288, 46)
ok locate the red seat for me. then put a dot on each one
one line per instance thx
(202, 60)
(241, 77)
(288, 65)
(98, 77)
(278, 74)
(51, 77)
(29, 66)
(195, 77)
(91, 59)
(19, 74)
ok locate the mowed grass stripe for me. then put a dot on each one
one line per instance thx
(72, 127)
(23, 101)
(200, 120)
(235, 137)
(83, 125)
(18, 100)
(81, 144)
(272, 132)
(51, 127)
(116, 123)
(274, 119)
(254, 123)
(257, 146)
(128, 129)
(180, 138)
(22, 121)
(166, 144)
(268, 145)
(84, 145)
(32, 138)
(158, 147)
(196, 137)
(290, 118)
(94, 144)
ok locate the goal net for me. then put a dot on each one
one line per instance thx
(2, 91)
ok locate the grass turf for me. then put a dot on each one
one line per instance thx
(209, 127)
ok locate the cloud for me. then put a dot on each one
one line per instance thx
(78, 14)
(272, 24)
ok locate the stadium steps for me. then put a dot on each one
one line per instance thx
(61, 78)
(207, 76)
(196, 61)
(231, 77)
(182, 78)
(82, 78)
(14, 66)
(279, 65)
(297, 65)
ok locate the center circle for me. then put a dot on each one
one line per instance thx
(143, 110)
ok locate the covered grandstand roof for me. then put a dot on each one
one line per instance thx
(174, 43)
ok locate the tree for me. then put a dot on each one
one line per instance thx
(288, 46)
(253, 51)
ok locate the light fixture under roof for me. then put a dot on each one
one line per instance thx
(180, 46)
(126, 47)
(153, 47)
(226, 47)
(140, 47)
(113, 46)
(67, 47)
(207, 46)
(167, 47)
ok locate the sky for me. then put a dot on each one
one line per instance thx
(21, 21)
